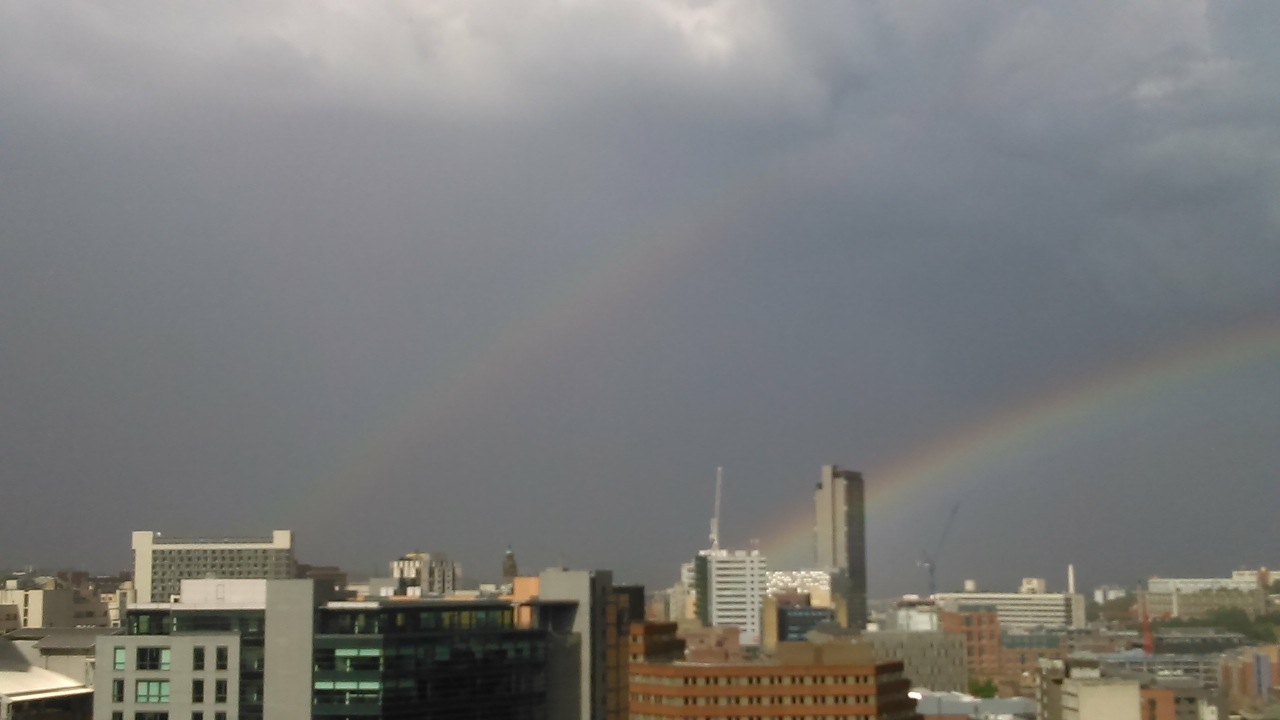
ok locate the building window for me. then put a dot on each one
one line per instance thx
(117, 691)
(197, 691)
(197, 658)
(151, 691)
(117, 715)
(220, 691)
(220, 661)
(219, 716)
(153, 658)
(197, 715)
(151, 716)
(118, 659)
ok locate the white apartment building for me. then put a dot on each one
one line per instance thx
(160, 564)
(731, 585)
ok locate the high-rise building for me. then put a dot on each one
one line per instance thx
(160, 564)
(731, 585)
(841, 534)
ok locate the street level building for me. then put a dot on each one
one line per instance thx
(160, 563)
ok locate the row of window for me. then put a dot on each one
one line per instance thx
(769, 701)
(157, 691)
(786, 680)
(159, 658)
(197, 715)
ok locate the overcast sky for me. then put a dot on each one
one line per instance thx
(402, 274)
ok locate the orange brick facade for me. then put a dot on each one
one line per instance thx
(983, 648)
(769, 692)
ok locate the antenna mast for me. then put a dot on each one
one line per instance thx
(715, 517)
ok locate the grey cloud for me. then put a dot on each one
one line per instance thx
(240, 236)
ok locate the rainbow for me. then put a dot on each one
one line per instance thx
(624, 268)
(1094, 406)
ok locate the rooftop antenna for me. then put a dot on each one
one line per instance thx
(715, 516)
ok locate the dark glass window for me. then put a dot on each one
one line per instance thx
(153, 658)
(220, 691)
(221, 658)
(197, 691)
(197, 658)
(117, 691)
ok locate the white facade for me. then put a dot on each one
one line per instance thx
(1244, 581)
(1107, 593)
(1025, 611)
(1101, 699)
(160, 564)
(736, 583)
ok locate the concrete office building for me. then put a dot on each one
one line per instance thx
(730, 588)
(160, 564)
(1100, 699)
(841, 535)
(418, 574)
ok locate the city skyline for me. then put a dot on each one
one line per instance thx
(456, 275)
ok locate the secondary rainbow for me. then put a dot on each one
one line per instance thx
(1098, 405)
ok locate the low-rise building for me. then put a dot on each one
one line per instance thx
(29, 691)
(832, 680)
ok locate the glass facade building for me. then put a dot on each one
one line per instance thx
(442, 661)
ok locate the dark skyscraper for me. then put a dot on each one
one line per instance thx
(841, 533)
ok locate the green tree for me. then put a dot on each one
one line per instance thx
(983, 688)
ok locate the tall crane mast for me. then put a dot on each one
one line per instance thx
(930, 561)
(715, 516)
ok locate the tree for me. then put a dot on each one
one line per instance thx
(983, 689)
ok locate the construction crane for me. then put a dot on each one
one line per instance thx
(715, 516)
(930, 561)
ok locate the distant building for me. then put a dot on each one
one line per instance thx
(979, 625)
(791, 617)
(1104, 594)
(934, 660)
(1100, 699)
(835, 680)
(51, 607)
(1024, 610)
(160, 563)
(654, 642)
(730, 587)
(510, 569)
(420, 574)
(841, 534)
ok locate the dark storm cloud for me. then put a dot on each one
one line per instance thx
(251, 251)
